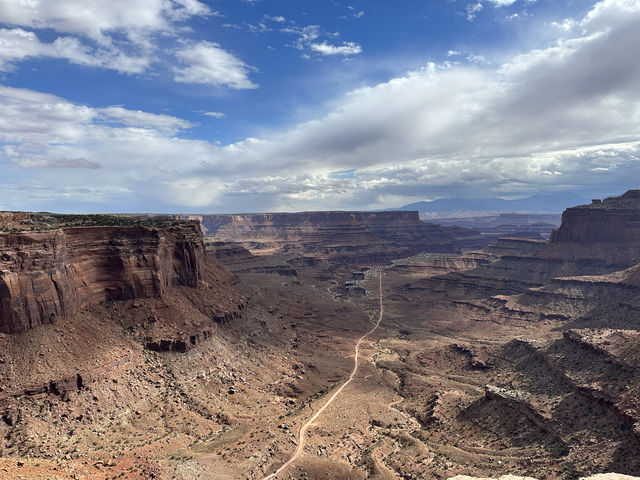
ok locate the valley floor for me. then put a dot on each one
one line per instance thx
(445, 386)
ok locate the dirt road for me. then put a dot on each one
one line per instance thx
(306, 426)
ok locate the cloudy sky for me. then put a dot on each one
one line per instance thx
(276, 105)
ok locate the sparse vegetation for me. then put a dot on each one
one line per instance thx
(43, 221)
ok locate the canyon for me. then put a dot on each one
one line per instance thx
(222, 346)
(339, 237)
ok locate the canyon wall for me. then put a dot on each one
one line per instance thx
(46, 274)
(605, 232)
(597, 239)
(351, 237)
(613, 220)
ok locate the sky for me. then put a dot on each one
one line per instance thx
(229, 106)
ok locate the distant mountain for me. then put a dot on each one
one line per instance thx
(540, 203)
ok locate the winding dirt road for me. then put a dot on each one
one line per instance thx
(306, 426)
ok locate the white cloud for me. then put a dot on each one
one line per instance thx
(40, 119)
(306, 35)
(473, 9)
(17, 44)
(347, 48)
(116, 34)
(207, 63)
(478, 59)
(568, 24)
(556, 118)
(214, 114)
(355, 14)
(135, 118)
(98, 19)
(259, 27)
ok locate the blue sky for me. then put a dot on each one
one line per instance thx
(237, 105)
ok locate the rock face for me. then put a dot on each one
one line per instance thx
(226, 252)
(589, 271)
(47, 274)
(593, 240)
(605, 232)
(615, 220)
(350, 237)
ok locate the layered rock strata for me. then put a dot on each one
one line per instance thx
(48, 274)
(593, 240)
(339, 237)
(605, 232)
(567, 298)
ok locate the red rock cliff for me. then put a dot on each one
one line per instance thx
(55, 273)
(614, 220)
(347, 236)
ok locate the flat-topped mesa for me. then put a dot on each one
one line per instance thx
(337, 235)
(52, 273)
(214, 222)
(612, 220)
(605, 232)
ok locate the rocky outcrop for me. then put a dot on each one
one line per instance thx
(47, 274)
(505, 411)
(178, 344)
(514, 246)
(13, 221)
(474, 361)
(607, 232)
(614, 220)
(227, 252)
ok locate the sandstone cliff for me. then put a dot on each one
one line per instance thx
(615, 219)
(605, 232)
(346, 237)
(593, 240)
(47, 274)
(591, 267)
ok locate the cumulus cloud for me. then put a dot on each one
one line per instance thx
(207, 63)
(98, 19)
(117, 35)
(566, 116)
(17, 44)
